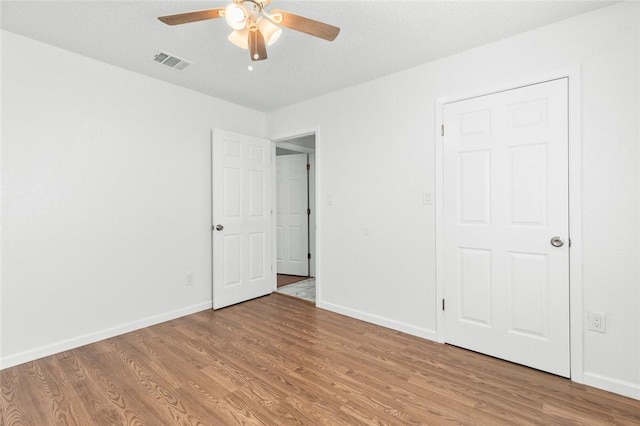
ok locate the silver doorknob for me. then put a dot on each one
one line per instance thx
(557, 242)
(219, 227)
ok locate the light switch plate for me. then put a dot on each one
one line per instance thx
(426, 197)
(330, 199)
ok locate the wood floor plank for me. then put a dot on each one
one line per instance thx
(280, 361)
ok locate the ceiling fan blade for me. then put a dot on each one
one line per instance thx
(306, 25)
(185, 18)
(257, 48)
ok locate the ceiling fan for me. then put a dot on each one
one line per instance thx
(253, 27)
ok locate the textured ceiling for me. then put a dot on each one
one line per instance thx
(377, 38)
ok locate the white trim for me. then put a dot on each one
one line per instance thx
(621, 387)
(312, 216)
(294, 147)
(285, 136)
(425, 333)
(274, 243)
(438, 168)
(279, 138)
(1, 221)
(575, 226)
(65, 345)
(575, 206)
(318, 215)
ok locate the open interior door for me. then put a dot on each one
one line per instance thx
(242, 245)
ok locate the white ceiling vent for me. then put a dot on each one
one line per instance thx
(171, 61)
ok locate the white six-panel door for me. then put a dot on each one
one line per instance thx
(241, 219)
(505, 198)
(292, 226)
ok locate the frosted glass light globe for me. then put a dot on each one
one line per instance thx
(236, 16)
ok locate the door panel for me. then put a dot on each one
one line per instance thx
(231, 188)
(475, 281)
(505, 196)
(474, 187)
(291, 214)
(232, 256)
(257, 256)
(242, 268)
(528, 187)
(526, 296)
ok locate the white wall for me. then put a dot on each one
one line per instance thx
(105, 198)
(375, 153)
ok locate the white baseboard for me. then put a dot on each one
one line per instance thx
(621, 387)
(65, 345)
(379, 320)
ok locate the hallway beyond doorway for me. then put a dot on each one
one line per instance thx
(305, 290)
(284, 279)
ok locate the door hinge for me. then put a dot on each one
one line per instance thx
(443, 304)
(442, 130)
(308, 166)
(309, 256)
(308, 212)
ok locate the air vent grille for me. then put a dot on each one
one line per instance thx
(171, 61)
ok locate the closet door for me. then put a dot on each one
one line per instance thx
(506, 233)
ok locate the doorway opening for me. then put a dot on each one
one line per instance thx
(295, 216)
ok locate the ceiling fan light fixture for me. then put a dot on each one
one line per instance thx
(236, 16)
(240, 38)
(253, 27)
(270, 31)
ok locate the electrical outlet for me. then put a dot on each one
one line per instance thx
(188, 279)
(598, 322)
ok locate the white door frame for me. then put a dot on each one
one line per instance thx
(575, 207)
(279, 139)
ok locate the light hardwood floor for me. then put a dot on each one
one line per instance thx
(277, 361)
